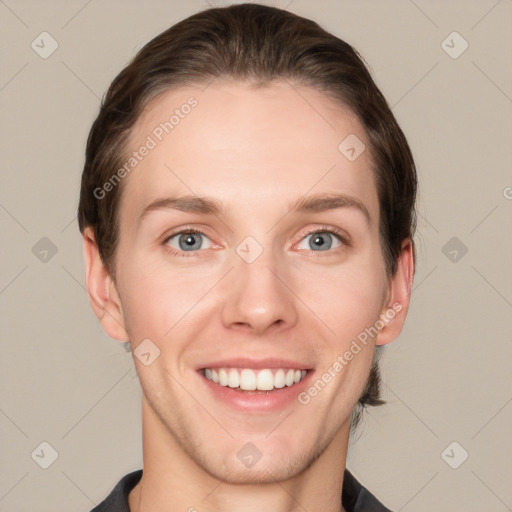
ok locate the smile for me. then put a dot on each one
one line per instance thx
(247, 379)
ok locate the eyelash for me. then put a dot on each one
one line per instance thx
(337, 233)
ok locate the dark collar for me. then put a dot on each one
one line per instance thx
(355, 497)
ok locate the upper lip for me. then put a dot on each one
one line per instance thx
(255, 364)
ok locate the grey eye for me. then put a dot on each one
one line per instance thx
(320, 241)
(187, 241)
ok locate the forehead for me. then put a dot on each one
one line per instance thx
(248, 146)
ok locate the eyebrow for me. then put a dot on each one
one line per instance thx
(315, 203)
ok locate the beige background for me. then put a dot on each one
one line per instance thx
(447, 377)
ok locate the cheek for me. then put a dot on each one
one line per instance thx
(349, 303)
(347, 300)
(156, 297)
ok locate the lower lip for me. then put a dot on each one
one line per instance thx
(258, 401)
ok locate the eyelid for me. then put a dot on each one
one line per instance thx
(341, 234)
(323, 228)
(186, 230)
(180, 231)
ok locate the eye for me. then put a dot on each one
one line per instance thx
(321, 241)
(188, 240)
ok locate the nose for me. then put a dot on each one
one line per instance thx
(259, 298)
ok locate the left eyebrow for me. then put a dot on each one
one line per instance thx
(323, 202)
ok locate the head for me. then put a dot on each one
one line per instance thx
(249, 105)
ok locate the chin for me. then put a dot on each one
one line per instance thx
(249, 466)
(261, 473)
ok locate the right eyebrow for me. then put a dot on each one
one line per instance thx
(189, 204)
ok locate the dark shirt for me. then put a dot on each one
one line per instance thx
(355, 498)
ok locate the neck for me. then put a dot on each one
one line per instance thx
(172, 480)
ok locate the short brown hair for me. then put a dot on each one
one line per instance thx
(259, 44)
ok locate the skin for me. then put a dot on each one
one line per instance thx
(254, 151)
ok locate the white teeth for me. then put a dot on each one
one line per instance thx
(233, 378)
(265, 380)
(223, 377)
(247, 380)
(279, 379)
(250, 380)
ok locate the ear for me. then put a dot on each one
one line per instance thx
(103, 294)
(396, 305)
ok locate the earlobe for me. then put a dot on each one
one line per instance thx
(395, 311)
(105, 300)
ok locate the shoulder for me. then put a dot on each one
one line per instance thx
(356, 498)
(117, 500)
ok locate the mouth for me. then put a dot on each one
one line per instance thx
(249, 380)
(255, 386)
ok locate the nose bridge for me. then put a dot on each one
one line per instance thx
(256, 295)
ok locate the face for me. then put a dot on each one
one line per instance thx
(249, 256)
